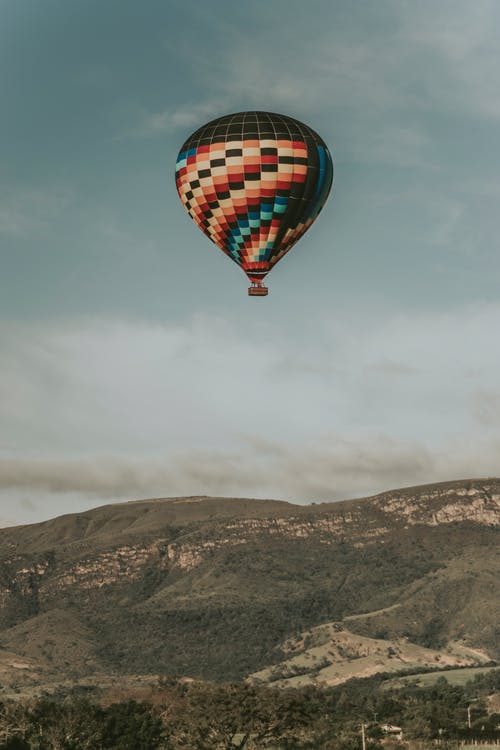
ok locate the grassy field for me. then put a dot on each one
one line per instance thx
(330, 654)
(453, 676)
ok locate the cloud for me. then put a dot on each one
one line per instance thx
(173, 119)
(133, 385)
(462, 39)
(331, 469)
(126, 409)
(6, 523)
(393, 368)
(487, 406)
(28, 504)
(375, 78)
(100, 477)
(25, 210)
(374, 83)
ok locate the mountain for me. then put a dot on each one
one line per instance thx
(223, 588)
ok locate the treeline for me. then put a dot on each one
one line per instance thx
(188, 715)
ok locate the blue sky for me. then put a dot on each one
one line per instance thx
(132, 361)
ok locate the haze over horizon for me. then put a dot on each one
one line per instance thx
(133, 364)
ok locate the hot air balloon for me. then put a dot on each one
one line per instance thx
(254, 182)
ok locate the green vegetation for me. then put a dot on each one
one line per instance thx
(179, 714)
(228, 617)
(79, 725)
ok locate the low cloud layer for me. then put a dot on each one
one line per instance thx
(261, 468)
(130, 409)
(333, 470)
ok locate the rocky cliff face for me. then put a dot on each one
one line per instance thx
(477, 501)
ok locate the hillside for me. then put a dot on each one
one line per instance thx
(330, 654)
(219, 588)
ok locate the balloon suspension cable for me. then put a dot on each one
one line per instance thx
(257, 289)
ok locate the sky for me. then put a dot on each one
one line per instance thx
(132, 362)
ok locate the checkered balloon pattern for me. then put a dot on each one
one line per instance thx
(254, 182)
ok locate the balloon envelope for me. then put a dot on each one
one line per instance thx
(254, 182)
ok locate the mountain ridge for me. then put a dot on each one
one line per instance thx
(213, 587)
(239, 506)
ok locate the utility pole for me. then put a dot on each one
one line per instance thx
(469, 707)
(363, 738)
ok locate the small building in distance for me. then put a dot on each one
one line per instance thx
(395, 733)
